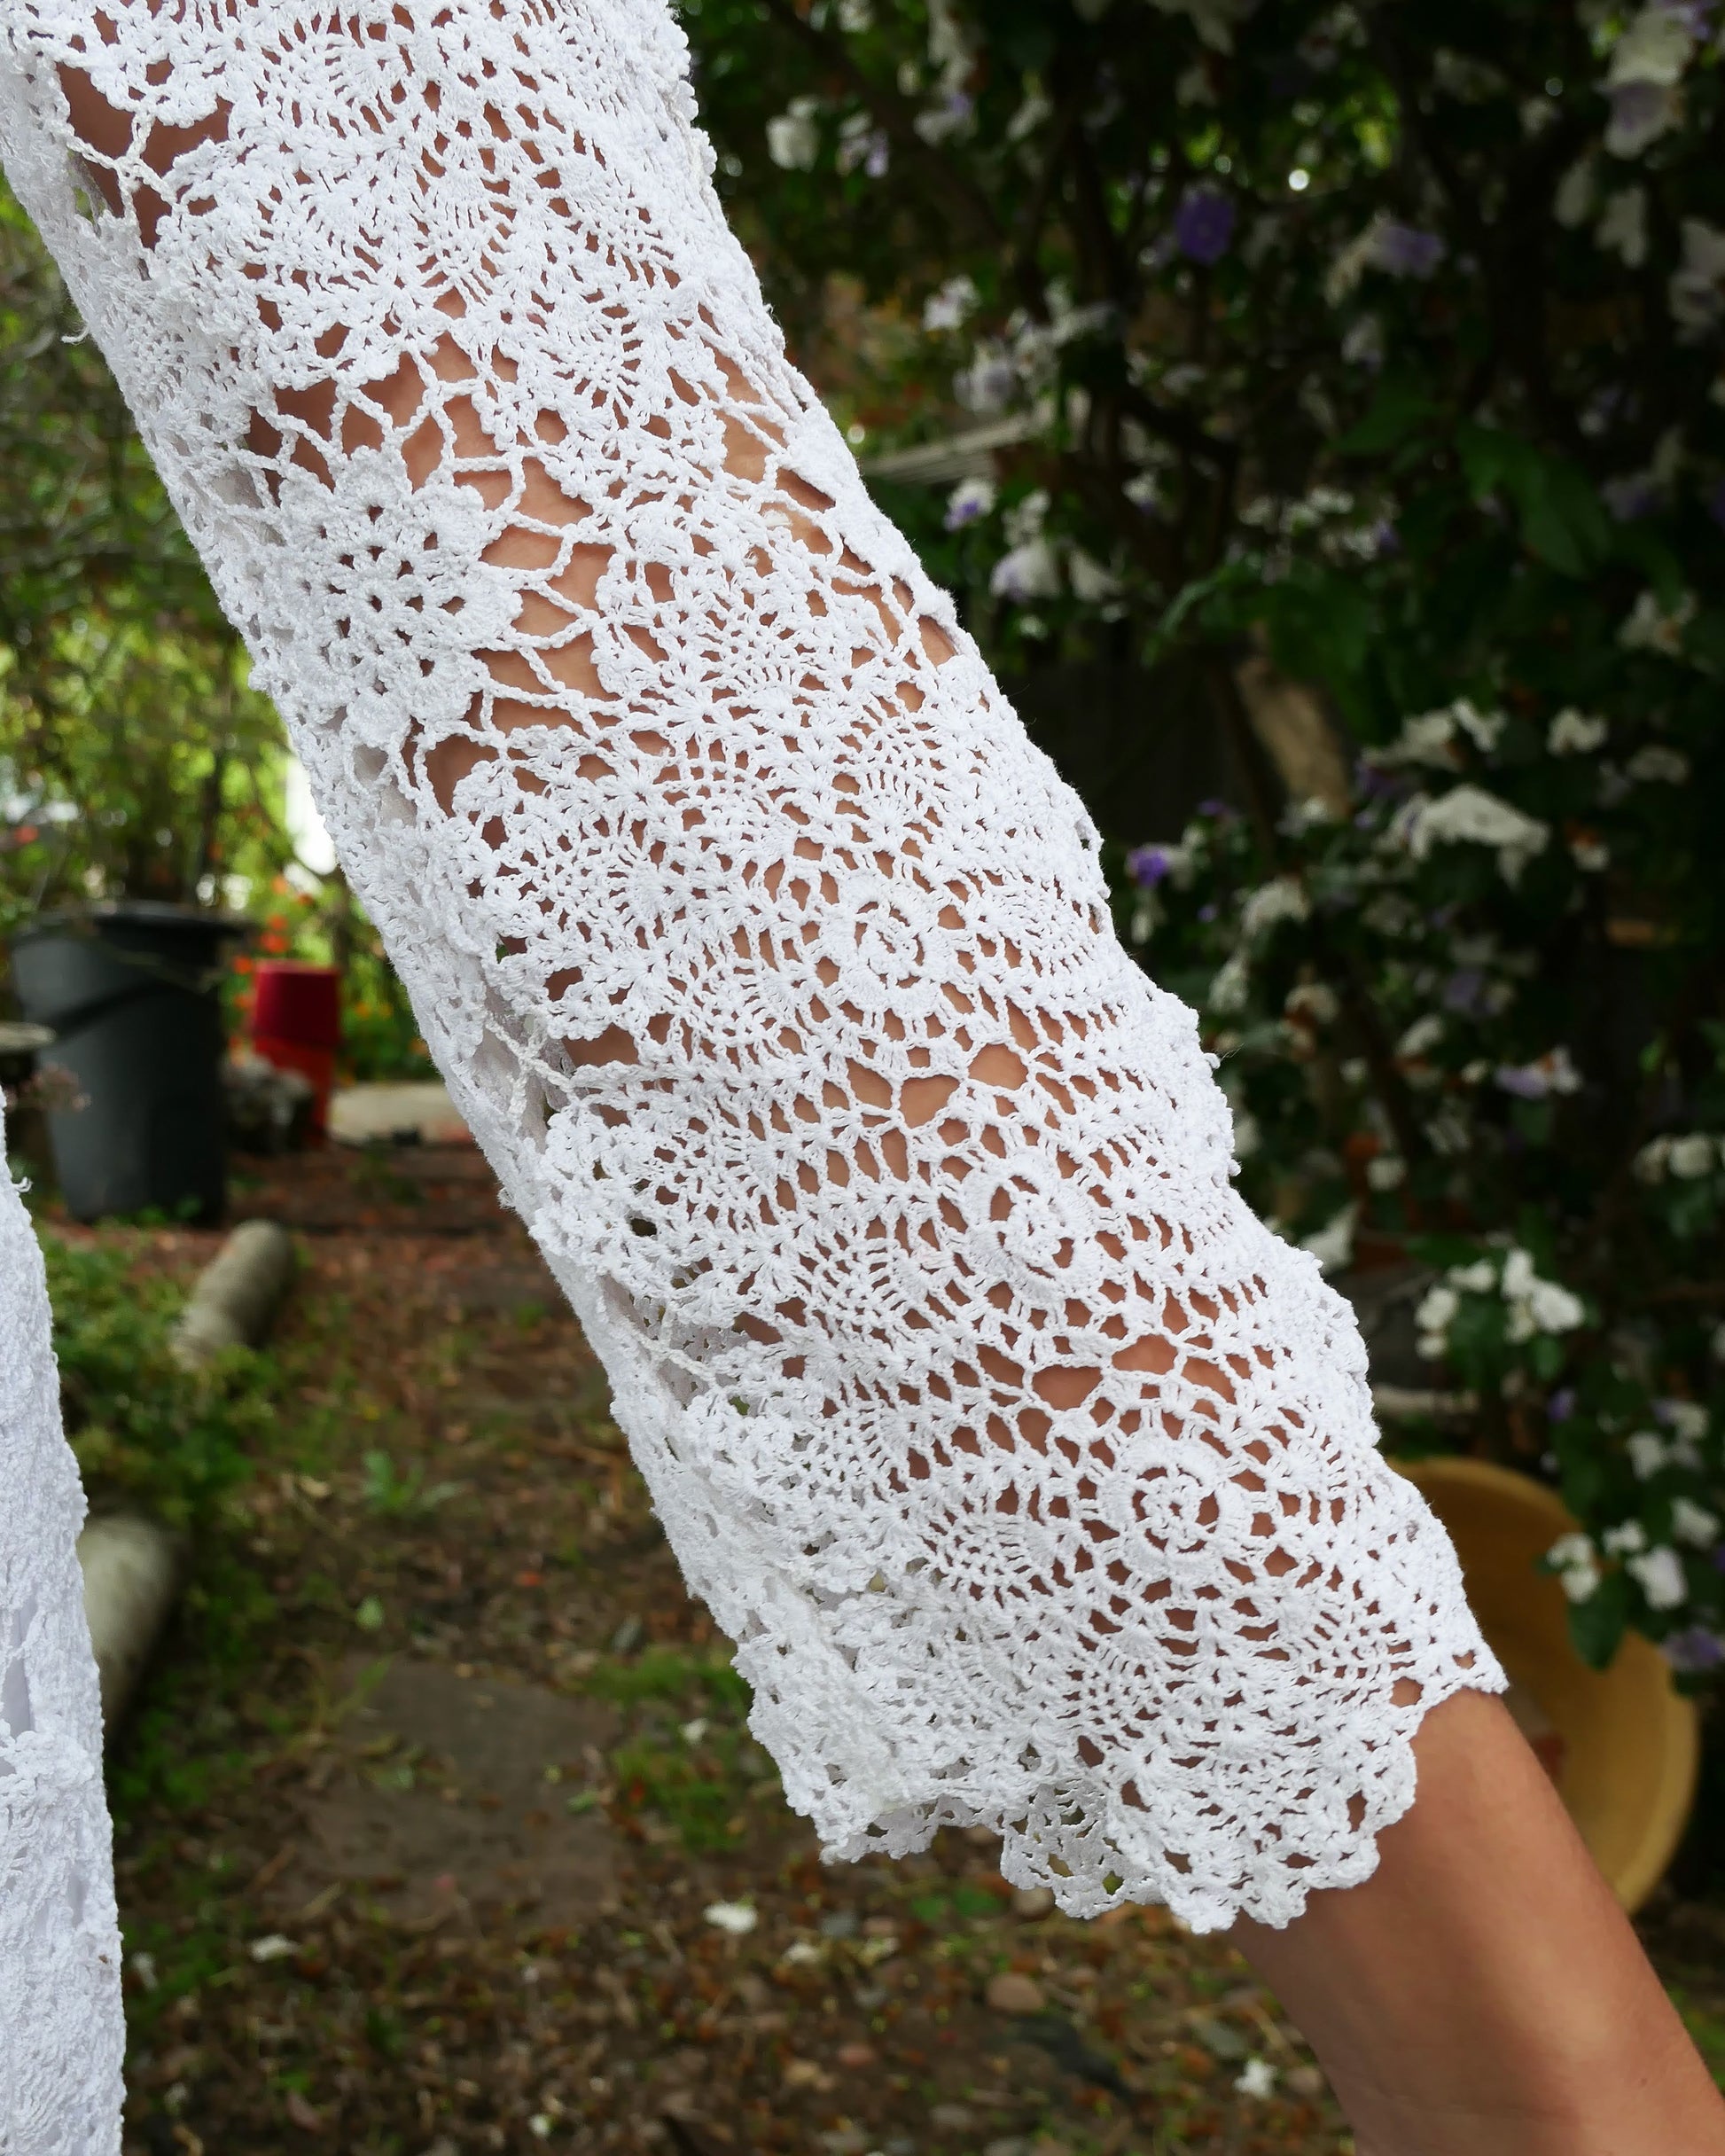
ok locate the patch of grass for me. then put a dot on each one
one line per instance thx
(174, 1440)
(701, 1795)
(668, 1673)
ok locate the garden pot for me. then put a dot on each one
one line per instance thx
(296, 1025)
(1621, 1744)
(130, 990)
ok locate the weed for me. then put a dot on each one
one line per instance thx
(402, 1495)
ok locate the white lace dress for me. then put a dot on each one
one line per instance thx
(770, 963)
(60, 2036)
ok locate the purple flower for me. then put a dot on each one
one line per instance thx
(1561, 1405)
(1403, 250)
(1149, 864)
(1375, 782)
(1632, 495)
(1206, 913)
(1693, 1649)
(1203, 224)
(1222, 812)
(1462, 991)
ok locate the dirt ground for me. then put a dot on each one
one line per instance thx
(441, 1829)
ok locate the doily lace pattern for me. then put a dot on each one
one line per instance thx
(770, 961)
(60, 2032)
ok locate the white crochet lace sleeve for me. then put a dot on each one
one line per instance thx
(60, 2033)
(1034, 1480)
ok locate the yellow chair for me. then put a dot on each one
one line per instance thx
(1621, 1744)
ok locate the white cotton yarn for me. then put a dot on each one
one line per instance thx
(61, 2036)
(1035, 1479)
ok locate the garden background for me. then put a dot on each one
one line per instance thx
(1319, 412)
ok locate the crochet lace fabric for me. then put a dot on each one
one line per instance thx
(60, 2036)
(1034, 1480)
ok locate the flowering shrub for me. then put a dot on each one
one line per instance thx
(1471, 1017)
(1378, 348)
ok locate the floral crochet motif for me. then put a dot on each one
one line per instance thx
(770, 963)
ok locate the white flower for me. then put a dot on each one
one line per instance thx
(1433, 1317)
(1688, 1419)
(1363, 345)
(1624, 1540)
(1655, 48)
(1029, 571)
(1282, 899)
(273, 1947)
(1640, 112)
(970, 499)
(1313, 1001)
(947, 308)
(692, 1732)
(1090, 582)
(1554, 1072)
(1694, 1523)
(1577, 1568)
(1648, 1453)
(1574, 199)
(736, 1918)
(855, 16)
(1429, 736)
(990, 382)
(1230, 989)
(1592, 856)
(1256, 2078)
(1470, 815)
(1693, 1155)
(1030, 116)
(1623, 230)
(1695, 292)
(1537, 1305)
(1332, 1244)
(1387, 1172)
(793, 141)
(1658, 764)
(1689, 1156)
(1248, 1136)
(1651, 629)
(1575, 733)
(1027, 517)
(1649, 1164)
(1422, 1035)
(1661, 1577)
(1480, 1279)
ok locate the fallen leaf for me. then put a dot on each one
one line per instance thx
(304, 2115)
(1010, 1992)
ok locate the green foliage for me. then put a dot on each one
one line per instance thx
(669, 1674)
(134, 759)
(1377, 353)
(139, 1423)
(402, 1496)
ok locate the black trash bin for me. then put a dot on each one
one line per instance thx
(131, 991)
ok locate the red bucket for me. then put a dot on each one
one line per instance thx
(296, 1025)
